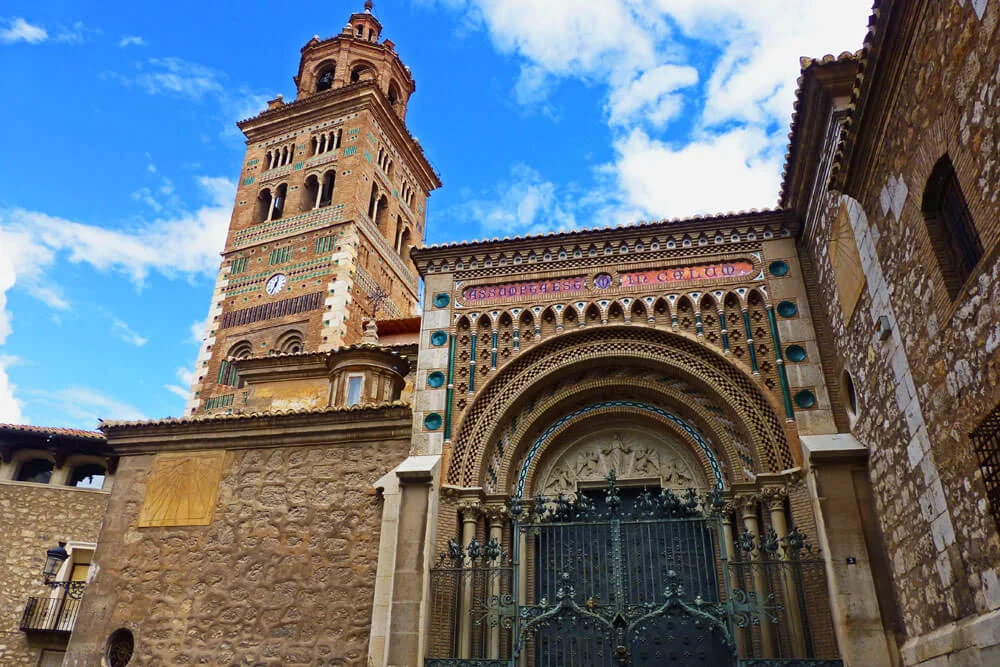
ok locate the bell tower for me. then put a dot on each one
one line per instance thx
(331, 198)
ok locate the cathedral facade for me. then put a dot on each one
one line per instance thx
(755, 438)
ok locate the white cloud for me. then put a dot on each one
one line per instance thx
(176, 390)
(19, 30)
(85, 406)
(186, 244)
(74, 34)
(647, 54)
(10, 407)
(186, 377)
(651, 96)
(718, 172)
(176, 76)
(121, 329)
(199, 329)
(523, 204)
(31, 243)
(131, 40)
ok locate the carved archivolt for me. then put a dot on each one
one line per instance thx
(634, 455)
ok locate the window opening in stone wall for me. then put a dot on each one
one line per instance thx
(88, 476)
(279, 202)
(325, 80)
(38, 471)
(950, 227)
(263, 205)
(120, 647)
(851, 394)
(986, 442)
(354, 390)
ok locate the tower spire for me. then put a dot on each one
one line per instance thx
(368, 6)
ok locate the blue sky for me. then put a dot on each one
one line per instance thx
(121, 153)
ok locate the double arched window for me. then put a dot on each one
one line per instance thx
(950, 226)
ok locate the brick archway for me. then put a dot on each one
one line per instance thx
(733, 393)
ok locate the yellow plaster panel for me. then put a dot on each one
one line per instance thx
(846, 262)
(182, 489)
(293, 394)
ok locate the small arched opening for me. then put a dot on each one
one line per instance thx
(263, 205)
(325, 79)
(278, 208)
(88, 476)
(36, 470)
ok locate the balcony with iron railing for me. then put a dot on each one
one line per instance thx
(55, 614)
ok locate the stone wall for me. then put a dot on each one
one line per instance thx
(933, 378)
(33, 518)
(284, 575)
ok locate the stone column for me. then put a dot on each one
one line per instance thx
(759, 573)
(408, 576)
(774, 499)
(471, 510)
(496, 514)
(274, 199)
(729, 543)
(319, 190)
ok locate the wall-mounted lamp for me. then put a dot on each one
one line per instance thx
(54, 558)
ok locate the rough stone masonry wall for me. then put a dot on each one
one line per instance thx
(283, 576)
(938, 374)
(33, 517)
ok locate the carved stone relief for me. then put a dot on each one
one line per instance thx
(634, 455)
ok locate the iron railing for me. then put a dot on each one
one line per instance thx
(56, 614)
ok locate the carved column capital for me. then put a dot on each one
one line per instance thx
(470, 507)
(773, 497)
(495, 512)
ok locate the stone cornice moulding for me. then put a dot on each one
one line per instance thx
(265, 431)
(779, 220)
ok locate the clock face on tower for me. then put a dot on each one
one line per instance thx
(276, 283)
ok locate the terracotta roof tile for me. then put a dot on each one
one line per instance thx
(805, 64)
(575, 232)
(198, 419)
(74, 433)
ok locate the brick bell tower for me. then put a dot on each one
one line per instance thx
(332, 196)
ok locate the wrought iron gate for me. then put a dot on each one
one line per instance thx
(623, 578)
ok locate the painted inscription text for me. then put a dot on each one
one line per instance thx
(524, 289)
(735, 269)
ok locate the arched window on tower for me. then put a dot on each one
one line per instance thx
(338, 135)
(263, 204)
(404, 244)
(373, 202)
(950, 227)
(310, 194)
(399, 233)
(289, 342)
(326, 194)
(325, 79)
(382, 215)
(279, 202)
(393, 94)
(362, 73)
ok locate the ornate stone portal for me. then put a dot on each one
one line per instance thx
(636, 455)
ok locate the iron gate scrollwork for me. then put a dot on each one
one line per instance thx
(616, 577)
